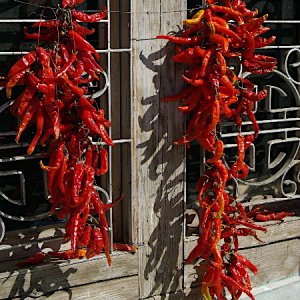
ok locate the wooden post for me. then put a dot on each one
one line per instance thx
(158, 166)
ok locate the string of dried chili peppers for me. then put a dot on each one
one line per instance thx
(55, 98)
(221, 30)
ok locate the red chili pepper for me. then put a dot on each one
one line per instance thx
(87, 189)
(81, 44)
(81, 16)
(66, 3)
(74, 223)
(252, 96)
(43, 35)
(56, 158)
(33, 260)
(194, 82)
(39, 128)
(254, 23)
(61, 175)
(22, 64)
(247, 263)
(205, 63)
(63, 129)
(221, 63)
(232, 283)
(252, 118)
(85, 103)
(78, 175)
(181, 40)
(226, 31)
(21, 104)
(187, 56)
(55, 81)
(83, 31)
(250, 44)
(66, 67)
(26, 118)
(90, 68)
(227, 10)
(220, 40)
(79, 69)
(220, 21)
(85, 237)
(251, 225)
(106, 241)
(48, 24)
(99, 242)
(89, 153)
(218, 152)
(262, 42)
(13, 81)
(272, 216)
(103, 157)
(75, 89)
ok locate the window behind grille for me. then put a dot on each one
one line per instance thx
(273, 159)
(22, 183)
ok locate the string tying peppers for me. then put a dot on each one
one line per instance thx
(221, 30)
(55, 77)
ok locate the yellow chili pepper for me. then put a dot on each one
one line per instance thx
(196, 19)
(222, 206)
(205, 293)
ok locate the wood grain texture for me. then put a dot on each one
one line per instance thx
(47, 278)
(276, 259)
(158, 166)
(118, 289)
(23, 243)
(277, 231)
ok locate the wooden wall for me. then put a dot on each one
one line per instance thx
(157, 270)
(158, 167)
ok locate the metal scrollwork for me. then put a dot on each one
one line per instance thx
(276, 171)
(2, 230)
(16, 170)
(14, 180)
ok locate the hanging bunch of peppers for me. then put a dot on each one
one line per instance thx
(223, 29)
(54, 78)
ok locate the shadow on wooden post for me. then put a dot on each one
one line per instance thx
(165, 165)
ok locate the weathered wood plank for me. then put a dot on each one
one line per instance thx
(23, 243)
(190, 294)
(158, 167)
(118, 289)
(277, 231)
(265, 292)
(274, 261)
(50, 277)
(41, 233)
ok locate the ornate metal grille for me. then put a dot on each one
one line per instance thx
(274, 157)
(23, 189)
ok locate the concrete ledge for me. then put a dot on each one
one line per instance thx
(284, 289)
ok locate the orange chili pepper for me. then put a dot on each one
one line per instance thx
(218, 152)
(220, 40)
